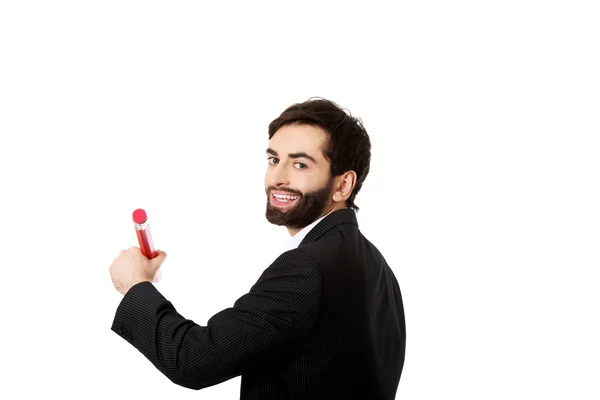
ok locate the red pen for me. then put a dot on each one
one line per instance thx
(142, 229)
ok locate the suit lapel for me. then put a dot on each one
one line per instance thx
(338, 217)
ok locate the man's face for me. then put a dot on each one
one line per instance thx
(298, 182)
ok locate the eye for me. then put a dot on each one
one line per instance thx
(273, 160)
(301, 165)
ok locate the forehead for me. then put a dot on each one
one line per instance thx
(299, 138)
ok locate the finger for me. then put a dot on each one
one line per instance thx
(159, 259)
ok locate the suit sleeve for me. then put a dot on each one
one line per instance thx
(275, 315)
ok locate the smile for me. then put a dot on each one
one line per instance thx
(283, 199)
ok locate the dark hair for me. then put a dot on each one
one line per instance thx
(348, 146)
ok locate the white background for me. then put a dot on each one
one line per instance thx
(483, 193)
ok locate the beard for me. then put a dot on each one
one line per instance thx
(307, 209)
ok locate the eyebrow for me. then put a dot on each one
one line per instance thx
(293, 155)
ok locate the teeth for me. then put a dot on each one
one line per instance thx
(285, 197)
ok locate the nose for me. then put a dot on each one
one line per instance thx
(278, 176)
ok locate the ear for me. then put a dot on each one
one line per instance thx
(344, 184)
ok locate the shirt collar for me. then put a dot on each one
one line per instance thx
(295, 240)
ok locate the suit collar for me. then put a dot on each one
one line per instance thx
(295, 240)
(342, 216)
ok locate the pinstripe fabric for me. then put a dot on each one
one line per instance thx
(325, 320)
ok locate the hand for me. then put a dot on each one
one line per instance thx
(132, 267)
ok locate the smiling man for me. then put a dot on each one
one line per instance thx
(324, 320)
(309, 199)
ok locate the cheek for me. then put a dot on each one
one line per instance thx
(304, 185)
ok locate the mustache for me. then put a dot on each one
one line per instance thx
(271, 188)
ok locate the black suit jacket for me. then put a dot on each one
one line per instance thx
(323, 321)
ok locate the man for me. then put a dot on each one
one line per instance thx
(325, 320)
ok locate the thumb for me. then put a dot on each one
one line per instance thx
(157, 261)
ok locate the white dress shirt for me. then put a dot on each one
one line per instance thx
(295, 240)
